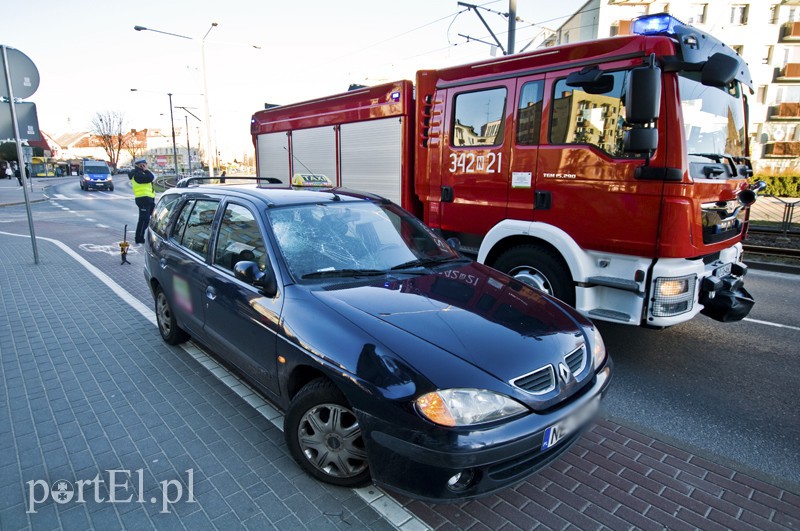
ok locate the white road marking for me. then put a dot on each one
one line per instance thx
(374, 496)
(777, 325)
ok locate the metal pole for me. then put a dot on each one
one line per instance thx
(174, 147)
(209, 141)
(188, 149)
(20, 156)
(512, 25)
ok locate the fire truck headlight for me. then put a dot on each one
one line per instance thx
(674, 295)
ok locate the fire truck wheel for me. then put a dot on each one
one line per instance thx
(540, 268)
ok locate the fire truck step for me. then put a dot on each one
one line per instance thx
(611, 315)
(614, 282)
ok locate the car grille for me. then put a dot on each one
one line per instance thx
(543, 380)
(576, 360)
(539, 381)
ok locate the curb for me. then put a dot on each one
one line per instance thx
(775, 267)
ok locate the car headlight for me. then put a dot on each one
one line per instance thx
(465, 407)
(598, 347)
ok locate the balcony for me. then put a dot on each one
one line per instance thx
(621, 27)
(790, 72)
(782, 150)
(790, 32)
(785, 112)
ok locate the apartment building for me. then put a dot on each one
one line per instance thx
(766, 33)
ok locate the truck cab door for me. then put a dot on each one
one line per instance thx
(523, 199)
(475, 158)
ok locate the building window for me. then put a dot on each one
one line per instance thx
(762, 94)
(766, 57)
(738, 48)
(739, 14)
(773, 14)
(697, 14)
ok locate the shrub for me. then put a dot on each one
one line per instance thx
(780, 185)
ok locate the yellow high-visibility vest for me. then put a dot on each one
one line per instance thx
(142, 189)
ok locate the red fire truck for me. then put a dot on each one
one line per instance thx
(612, 174)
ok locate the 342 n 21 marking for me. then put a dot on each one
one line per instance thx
(474, 163)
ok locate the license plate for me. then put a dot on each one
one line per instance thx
(569, 425)
(723, 271)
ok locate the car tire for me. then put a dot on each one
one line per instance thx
(539, 267)
(167, 323)
(110, 188)
(324, 437)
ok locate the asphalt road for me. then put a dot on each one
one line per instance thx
(726, 390)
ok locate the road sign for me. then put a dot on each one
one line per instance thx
(27, 120)
(24, 75)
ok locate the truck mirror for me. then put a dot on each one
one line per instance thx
(640, 140)
(719, 71)
(591, 80)
(643, 101)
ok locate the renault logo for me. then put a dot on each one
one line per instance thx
(564, 373)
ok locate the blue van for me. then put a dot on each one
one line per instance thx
(95, 174)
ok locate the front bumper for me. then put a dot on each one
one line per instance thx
(494, 458)
(98, 185)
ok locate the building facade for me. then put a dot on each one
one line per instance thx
(766, 33)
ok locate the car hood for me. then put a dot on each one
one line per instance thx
(480, 315)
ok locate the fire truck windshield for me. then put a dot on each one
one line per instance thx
(713, 117)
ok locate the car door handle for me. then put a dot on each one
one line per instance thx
(211, 293)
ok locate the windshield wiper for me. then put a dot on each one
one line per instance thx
(719, 158)
(345, 273)
(424, 262)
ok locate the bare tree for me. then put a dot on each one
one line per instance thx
(135, 143)
(108, 126)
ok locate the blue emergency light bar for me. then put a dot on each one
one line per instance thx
(659, 24)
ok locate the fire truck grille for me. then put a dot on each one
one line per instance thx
(538, 382)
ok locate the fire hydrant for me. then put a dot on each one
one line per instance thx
(123, 246)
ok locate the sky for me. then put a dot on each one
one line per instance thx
(89, 56)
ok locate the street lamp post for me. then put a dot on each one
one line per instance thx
(188, 148)
(209, 139)
(174, 147)
(211, 145)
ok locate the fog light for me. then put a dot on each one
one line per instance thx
(461, 481)
(674, 295)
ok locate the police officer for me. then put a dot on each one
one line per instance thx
(144, 195)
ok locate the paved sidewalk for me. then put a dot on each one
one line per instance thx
(88, 387)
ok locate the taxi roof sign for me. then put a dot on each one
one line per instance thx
(310, 179)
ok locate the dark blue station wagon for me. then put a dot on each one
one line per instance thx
(394, 358)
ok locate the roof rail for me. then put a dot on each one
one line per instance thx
(184, 183)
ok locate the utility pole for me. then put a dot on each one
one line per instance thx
(512, 25)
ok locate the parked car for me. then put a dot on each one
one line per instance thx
(394, 358)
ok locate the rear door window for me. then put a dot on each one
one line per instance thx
(163, 213)
(193, 228)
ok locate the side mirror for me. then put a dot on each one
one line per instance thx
(591, 80)
(640, 140)
(719, 71)
(643, 101)
(249, 272)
